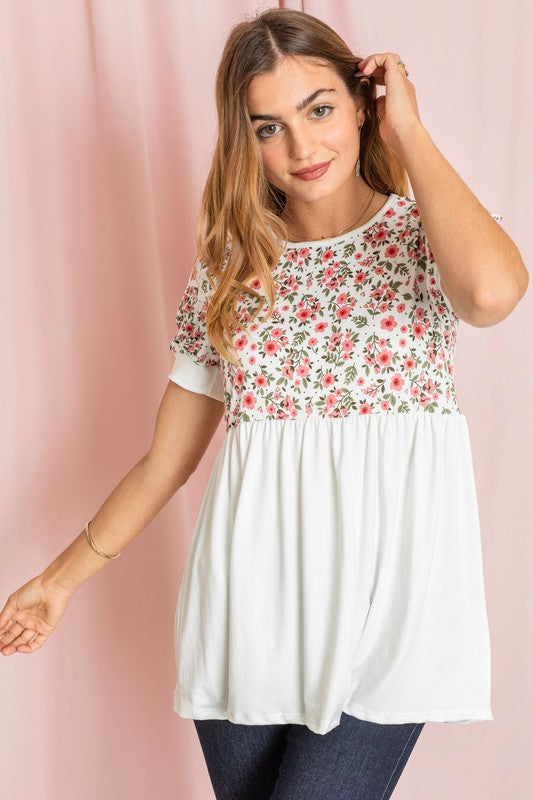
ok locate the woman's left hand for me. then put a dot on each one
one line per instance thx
(397, 109)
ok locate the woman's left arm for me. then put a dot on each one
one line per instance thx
(481, 269)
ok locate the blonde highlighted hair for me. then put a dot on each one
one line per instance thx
(239, 234)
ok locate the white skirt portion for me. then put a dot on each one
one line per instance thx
(336, 565)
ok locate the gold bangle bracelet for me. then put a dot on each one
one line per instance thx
(94, 547)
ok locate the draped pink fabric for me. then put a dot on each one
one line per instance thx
(107, 122)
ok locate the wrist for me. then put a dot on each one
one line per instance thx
(410, 139)
(76, 564)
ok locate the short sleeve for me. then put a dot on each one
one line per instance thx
(197, 364)
(433, 276)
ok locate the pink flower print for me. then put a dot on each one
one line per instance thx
(271, 347)
(312, 342)
(418, 330)
(303, 314)
(400, 308)
(304, 252)
(379, 270)
(292, 255)
(403, 234)
(327, 255)
(380, 234)
(287, 402)
(397, 382)
(360, 277)
(276, 332)
(389, 323)
(342, 298)
(238, 379)
(249, 400)
(360, 381)
(241, 342)
(321, 326)
(328, 379)
(329, 272)
(302, 370)
(420, 312)
(409, 363)
(384, 405)
(391, 251)
(270, 409)
(334, 340)
(331, 400)
(260, 381)
(287, 371)
(415, 391)
(402, 342)
(347, 346)
(404, 329)
(384, 358)
(343, 312)
(364, 408)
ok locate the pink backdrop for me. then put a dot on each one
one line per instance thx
(107, 124)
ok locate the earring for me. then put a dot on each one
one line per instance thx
(357, 170)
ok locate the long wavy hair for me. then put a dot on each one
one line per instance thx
(240, 236)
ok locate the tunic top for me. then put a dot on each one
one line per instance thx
(336, 561)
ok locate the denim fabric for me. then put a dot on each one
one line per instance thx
(357, 760)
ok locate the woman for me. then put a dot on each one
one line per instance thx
(332, 600)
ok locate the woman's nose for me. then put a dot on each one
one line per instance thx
(300, 145)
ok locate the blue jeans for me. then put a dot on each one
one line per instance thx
(357, 760)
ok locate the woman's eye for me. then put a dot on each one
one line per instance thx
(260, 131)
(273, 125)
(319, 107)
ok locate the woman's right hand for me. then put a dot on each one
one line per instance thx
(35, 608)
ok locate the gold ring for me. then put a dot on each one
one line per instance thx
(402, 64)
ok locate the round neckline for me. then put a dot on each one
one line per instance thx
(332, 239)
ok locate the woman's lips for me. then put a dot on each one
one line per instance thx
(311, 176)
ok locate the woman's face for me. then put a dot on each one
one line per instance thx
(326, 130)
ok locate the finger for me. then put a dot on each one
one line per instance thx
(11, 648)
(5, 616)
(23, 639)
(39, 640)
(8, 636)
(380, 60)
(7, 628)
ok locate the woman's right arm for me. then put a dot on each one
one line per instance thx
(185, 424)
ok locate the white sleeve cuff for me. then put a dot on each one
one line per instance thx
(197, 377)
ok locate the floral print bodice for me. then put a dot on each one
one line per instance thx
(360, 326)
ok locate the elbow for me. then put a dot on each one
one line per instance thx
(489, 308)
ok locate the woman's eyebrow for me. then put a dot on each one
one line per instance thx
(299, 107)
